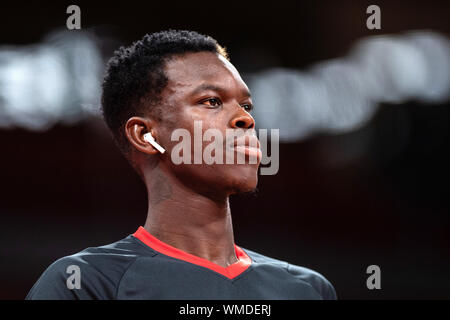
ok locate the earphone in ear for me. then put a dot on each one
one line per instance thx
(149, 138)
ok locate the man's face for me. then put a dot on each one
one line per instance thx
(206, 87)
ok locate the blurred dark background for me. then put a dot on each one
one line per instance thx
(67, 188)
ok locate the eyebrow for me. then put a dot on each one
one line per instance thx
(212, 87)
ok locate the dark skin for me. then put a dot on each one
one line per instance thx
(188, 205)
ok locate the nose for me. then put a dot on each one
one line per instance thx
(243, 121)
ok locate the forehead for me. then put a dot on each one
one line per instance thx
(189, 70)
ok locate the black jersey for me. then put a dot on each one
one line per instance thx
(142, 267)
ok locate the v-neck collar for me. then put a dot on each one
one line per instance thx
(230, 272)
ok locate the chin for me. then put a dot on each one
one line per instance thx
(245, 180)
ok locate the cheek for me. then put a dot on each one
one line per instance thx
(207, 176)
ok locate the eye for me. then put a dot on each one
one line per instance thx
(213, 102)
(248, 107)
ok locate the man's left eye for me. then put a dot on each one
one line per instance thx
(248, 107)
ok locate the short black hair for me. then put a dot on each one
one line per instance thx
(135, 76)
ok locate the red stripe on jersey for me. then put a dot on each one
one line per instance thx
(230, 272)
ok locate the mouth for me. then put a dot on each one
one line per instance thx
(249, 146)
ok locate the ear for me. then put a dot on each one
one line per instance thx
(135, 128)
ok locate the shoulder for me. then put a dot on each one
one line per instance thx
(320, 284)
(317, 281)
(92, 273)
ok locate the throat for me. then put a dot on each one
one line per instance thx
(203, 229)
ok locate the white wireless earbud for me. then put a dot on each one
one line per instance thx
(149, 138)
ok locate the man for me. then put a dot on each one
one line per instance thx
(168, 81)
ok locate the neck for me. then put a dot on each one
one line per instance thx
(190, 221)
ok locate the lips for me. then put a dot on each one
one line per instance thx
(247, 142)
(250, 147)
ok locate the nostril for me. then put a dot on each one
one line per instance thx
(243, 122)
(240, 124)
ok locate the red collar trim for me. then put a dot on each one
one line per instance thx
(230, 272)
